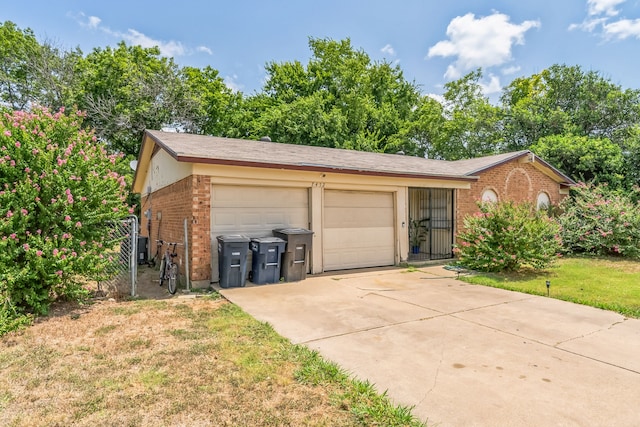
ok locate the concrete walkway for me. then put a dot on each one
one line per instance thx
(460, 354)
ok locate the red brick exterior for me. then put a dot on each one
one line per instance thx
(190, 199)
(512, 180)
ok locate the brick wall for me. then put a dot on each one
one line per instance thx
(188, 198)
(510, 181)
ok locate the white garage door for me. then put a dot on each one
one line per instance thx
(358, 230)
(254, 212)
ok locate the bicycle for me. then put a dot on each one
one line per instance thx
(168, 268)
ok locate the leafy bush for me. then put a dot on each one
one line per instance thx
(58, 189)
(508, 236)
(599, 221)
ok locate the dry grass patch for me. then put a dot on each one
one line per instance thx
(190, 362)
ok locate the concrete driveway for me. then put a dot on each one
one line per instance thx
(461, 354)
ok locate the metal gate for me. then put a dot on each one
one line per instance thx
(123, 268)
(432, 208)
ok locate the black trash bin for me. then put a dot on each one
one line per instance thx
(265, 264)
(295, 259)
(232, 260)
(142, 249)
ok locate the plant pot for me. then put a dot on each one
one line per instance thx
(415, 249)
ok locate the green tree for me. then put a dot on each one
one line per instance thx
(209, 105)
(585, 159)
(58, 190)
(32, 73)
(340, 99)
(567, 100)
(471, 128)
(126, 89)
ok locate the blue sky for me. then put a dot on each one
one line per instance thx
(432, 41)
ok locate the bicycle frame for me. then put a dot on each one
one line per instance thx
(168, 268)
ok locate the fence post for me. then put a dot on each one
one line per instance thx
(186, 255)
(133, 259)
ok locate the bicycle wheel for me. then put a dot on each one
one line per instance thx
(173, 279)
(162, 272)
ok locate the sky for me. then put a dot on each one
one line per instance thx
(433, 42)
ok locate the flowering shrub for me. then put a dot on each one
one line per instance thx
(58, 188)
(506, 236)
(596, 220)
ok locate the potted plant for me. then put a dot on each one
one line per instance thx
(417, 234)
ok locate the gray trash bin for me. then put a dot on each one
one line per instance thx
(295, 259)
(232, 260)
(267, 255)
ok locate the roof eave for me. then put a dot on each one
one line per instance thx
(326, 169)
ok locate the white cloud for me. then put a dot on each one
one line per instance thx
(492, 87)
(91, 22)
(389, 50)
(599, 15)
(588, 25)
(481, 42)
(232, 83)
(437, 97)
(510, 70)
(171, 48)
(603, 7)
(622, 29)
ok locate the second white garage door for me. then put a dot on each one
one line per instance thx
(358, 229)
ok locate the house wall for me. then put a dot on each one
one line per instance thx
(190, 199)
(518, 181)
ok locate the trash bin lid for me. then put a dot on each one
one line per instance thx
(293, 231)
(267, 240)
(233, 238)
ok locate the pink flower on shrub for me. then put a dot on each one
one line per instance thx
(7, 133)
(39, 252)
(9, 214)
(12, 162)
(67, 218)
(59, 273)
(83, 243)
(13, 236)
(24, 211)
(18, 144)
(25, 246)
(78, 224)
(55, 251)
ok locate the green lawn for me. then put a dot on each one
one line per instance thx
(607, 283)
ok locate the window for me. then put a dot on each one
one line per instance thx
(489, 196)
(543, 201)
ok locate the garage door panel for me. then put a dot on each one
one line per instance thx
(354, 251)
(358, 217)
(358, 230)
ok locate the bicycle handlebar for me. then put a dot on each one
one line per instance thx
(162, 242)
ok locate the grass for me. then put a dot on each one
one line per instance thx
(176, 362)
(607, 283)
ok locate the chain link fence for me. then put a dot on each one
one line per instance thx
(123, 268)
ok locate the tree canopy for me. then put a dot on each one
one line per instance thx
(578, 120)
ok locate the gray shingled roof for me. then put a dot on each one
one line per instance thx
(210, 149)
